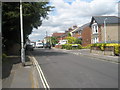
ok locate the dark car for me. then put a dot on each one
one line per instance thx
(47, 45)
(29, 47)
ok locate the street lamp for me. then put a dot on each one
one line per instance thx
(0, 45)
(105, 28)
(22, 39)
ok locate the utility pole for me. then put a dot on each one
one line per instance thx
(105, 28)
(22, 39)
(0, 45)
(46, 37)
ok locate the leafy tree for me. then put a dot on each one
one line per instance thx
(33, 14)
(78, 41)
(69, 35)
(71, 40)
(54, 40)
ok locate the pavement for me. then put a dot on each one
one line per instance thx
(86, 52)
(14, 75)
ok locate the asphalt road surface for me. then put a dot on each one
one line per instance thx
(65, 70)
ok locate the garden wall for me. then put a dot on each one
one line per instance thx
(106, 50)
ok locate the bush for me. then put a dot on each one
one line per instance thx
(70, 46)
(87, 47)
(115, 45)
(100, 45)
(117, 51)
(4, 55)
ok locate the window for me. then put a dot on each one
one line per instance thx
(95, 40)
(95, 28)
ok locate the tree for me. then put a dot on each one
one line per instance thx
(54, 40)
(33, 14)
(78, 41)
(71, 40)
(69, 35)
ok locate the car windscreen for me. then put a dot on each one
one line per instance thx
(40, 44)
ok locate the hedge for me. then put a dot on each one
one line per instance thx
(102, 46)
(70, 46)
(86, 47)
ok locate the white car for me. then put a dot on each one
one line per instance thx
(33, 44)
(61, 42)
(39, 45)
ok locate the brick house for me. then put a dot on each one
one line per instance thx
(100, 24)
(57, 35)
(70, 30)
(83, 33)
(77, 32)
(86, 34)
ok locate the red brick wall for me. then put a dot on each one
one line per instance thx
(76, 35)
(58, 46)
(86, 36)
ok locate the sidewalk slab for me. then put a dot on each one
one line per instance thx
(17, 76)
(22, 78)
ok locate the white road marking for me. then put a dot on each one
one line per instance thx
(42, 77)
(110, 61)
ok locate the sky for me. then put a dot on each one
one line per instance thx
(73, 12)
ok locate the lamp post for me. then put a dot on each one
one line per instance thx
(1, 45)
(22, 39)
(105, 28)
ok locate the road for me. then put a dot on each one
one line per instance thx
(66, 70)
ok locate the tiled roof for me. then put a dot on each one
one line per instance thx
(110, 19)
(82, 27)
(57, 34)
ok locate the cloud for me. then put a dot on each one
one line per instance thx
(74, 12)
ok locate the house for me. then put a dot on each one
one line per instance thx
(104, 29)
(77, 33)
(83, 33)
(69, 31)
(57, 35)
(64, 35)
(47, 39)
(86, 34)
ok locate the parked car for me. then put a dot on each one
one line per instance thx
(47, 45)
(29, 47)
(39, 45)
(61, 42)
(33, 44)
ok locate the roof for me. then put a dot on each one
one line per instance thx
(57, 34)
(82, 27)
(110, 19)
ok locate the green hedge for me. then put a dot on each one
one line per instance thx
(70, 46)
(102, 45)
(87, 47)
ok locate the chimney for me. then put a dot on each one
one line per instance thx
(70, 29)
(75, 26)
(66, 31)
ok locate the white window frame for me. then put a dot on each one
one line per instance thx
(95, 28)
(95, 40)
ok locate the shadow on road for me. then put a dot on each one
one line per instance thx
(46, 52)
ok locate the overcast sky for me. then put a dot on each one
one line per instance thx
(73, 12)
